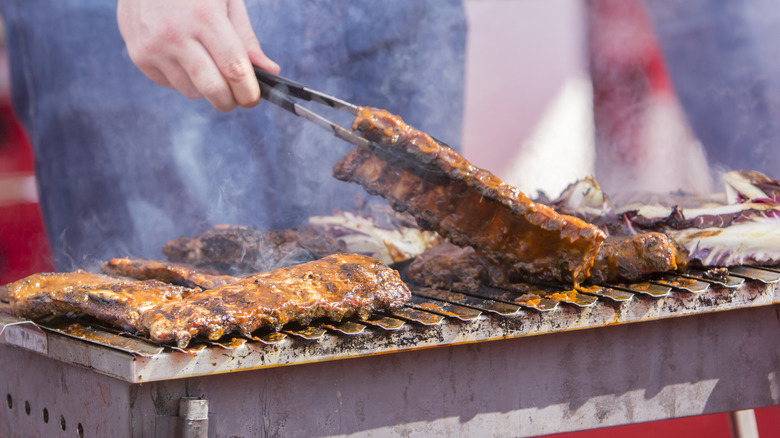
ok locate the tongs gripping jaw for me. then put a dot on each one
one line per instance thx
(280, 91)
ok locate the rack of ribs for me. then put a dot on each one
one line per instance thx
(471, 207)
(334, 287)
(119, 302)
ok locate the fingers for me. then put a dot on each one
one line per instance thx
(208, 79)
(202, 48)
(177, 76)
(232, 61)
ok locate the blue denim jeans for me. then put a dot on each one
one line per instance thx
(124, 165)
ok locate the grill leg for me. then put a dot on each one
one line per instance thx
(194, 414)
(743, 424)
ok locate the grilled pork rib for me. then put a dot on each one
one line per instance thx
(117, 302)
(630, 258)
(473, 207)
(334, 287)
(233, 249)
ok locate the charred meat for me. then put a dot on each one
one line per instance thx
(472, 207)
(447, 266)
(233, 250)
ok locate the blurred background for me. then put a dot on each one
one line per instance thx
(551, 85)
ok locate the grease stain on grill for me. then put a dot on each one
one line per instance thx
(645, 288)
(234, 343)
(309, 333)
(418, 316)
(385, 323)
(346, 328)
(526, 297)
(725, 280)
(609, 293)
(681, 283)
(269, 338)
(571, 297)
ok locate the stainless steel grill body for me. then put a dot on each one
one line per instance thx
(530, 373)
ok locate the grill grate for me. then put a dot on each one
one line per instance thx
(432, 318)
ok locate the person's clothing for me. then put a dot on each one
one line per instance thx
(124, 165)
(724, 60)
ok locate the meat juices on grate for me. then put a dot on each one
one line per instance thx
(174, 273)
(233, 249)
(334, 287)
(473, 207)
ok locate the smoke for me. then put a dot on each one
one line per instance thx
(724, 61)
(125, 165)
(643, 140)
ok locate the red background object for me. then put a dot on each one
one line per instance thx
(24, 247)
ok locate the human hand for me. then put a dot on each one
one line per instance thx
(201, 48)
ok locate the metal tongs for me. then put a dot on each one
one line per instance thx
(282, 92)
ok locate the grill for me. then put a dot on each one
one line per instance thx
(77, 378)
